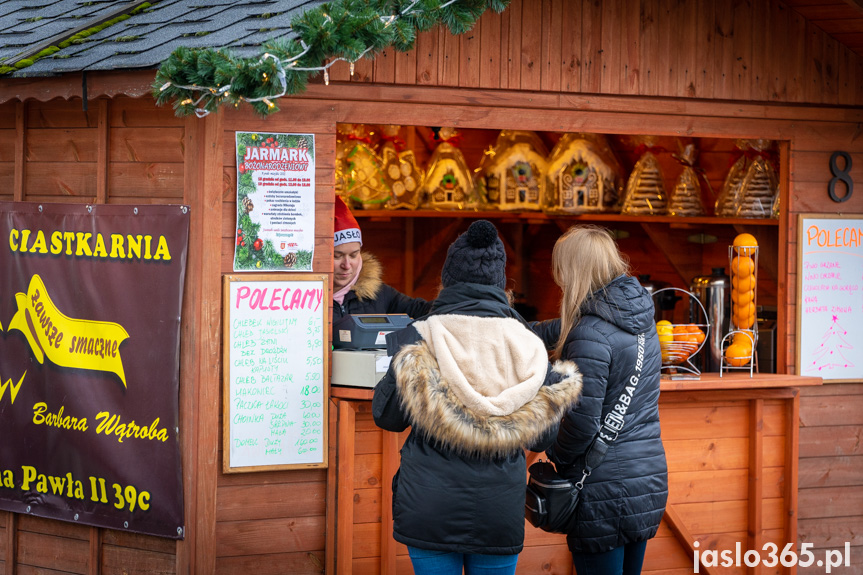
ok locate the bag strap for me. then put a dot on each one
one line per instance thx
(613, 422)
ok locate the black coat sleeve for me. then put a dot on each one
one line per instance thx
(397, 302)
(386, 406)
(548, 331)
(591, 350)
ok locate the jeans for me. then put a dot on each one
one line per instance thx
(624, 560)
(427, 562)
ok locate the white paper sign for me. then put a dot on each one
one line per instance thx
(275, 388)
(830, 298)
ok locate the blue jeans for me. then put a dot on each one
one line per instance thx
(427, 562)
(624, 560)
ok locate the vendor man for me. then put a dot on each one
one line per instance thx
(357, 284)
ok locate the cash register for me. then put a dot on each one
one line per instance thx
(360, 347)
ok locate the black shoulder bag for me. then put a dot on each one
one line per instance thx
(550, 499)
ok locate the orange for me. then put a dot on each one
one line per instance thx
(742, 284)
(742, 298)
(742, 266)
(695, 330)
(745, 244)
(743, 318)
(742, 338)
(686, 341)
(737, 355)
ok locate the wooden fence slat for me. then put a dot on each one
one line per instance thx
(552, 25)
(613, 46)
(570, 48)
(742, 32)
(531, 45)
(448, 57)
(490, 48)
(426, 58)
(469, 61)
(591, 47)
(514, 39)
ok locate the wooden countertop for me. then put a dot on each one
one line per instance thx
(706, 382)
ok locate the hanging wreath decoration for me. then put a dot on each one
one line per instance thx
(199, 81)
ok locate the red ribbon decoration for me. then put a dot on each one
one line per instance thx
(364, 139)
(397, 142)
(454, 140)
(699, 171)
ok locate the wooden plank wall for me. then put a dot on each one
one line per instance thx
(58, 152)
(709, 49)
(573, 65)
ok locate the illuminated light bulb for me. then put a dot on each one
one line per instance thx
(165, 86)
(265, 76)
(352, 69)
(186, 101)
(268, 103)
(326, 77)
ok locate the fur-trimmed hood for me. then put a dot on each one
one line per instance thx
(481, 385)
(371, 278)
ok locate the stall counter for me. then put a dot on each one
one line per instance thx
(732, 449)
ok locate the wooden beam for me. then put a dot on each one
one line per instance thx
(755, 527)
(201, 329)
(684, 537)
(11, 548)
(782, 288)
(391, 443)
(792, 463)
(95, 551)
(345, 496)
(332, 482)
(102, 152)
(20, 146)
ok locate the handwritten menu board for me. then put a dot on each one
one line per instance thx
(830, 297)
(275, 371)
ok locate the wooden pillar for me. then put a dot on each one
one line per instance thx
(200, 341)
(756, 473)
(102, 156)
(20, 146)
(391, 443)
(11, 547)
(792, 459)
(345, 489)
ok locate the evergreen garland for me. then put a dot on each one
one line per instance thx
(200, 80)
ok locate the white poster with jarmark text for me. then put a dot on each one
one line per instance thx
(275, 202)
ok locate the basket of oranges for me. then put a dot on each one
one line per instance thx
(739, 343)
(680, 342)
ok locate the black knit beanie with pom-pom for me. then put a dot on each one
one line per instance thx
(477, 256)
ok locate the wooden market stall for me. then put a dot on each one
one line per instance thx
(775, 457)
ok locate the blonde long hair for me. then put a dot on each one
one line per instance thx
(584, 260)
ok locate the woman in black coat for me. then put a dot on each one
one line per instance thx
(606, 326)
(475, 385)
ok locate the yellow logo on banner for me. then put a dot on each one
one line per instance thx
(67, 342)
(13, 389)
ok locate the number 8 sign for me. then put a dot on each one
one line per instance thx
(842, 175)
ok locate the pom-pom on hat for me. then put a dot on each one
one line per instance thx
(477, 256)
(346, 227)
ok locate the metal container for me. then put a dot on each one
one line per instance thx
(662, 303)
(714, 293)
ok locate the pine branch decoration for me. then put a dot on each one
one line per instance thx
(199, 81)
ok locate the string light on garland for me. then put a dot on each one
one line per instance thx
(200, 80)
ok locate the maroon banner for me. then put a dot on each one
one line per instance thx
(90, 300)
